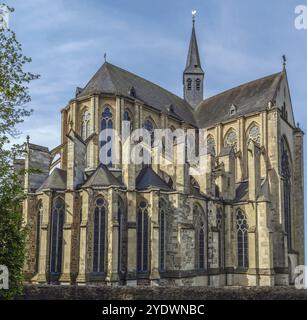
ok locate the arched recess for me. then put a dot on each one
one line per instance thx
(142, 237)
(242, 239)
(39, 219)
(99, 235)
(56, 246)
(200, 225)
(127, 116)
(122, 237)
(286, 174)
(210, 145)
(85, 127)
(162, 234)
(253, 133)
(231, 138)
(150, 126)
(106, 135)
(220, 230)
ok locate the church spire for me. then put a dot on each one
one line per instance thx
(193, 60)
(193, 76)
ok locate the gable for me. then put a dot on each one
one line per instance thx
(283, 99)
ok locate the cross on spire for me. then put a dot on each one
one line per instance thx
(193, 16)
(284, 58)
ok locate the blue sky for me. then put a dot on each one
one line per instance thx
(239, 41)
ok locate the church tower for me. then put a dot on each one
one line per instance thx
(193, 76)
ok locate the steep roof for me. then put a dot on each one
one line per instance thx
(193, 64)
(148, 179)
(55, 181)
(102, 177)
(114, 80)
(247, 98)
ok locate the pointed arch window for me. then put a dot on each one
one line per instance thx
(128, 117)
(85, 125)
(162, 235)
(189, 84)
(57, 223)
(122, 236)
(142, 237)
(99, 238)
(211, 145)
(219, 226)
(39, 220)
(106, 125)
(197, 82)
(200, 229)
(286, 174)
(242, 239)
(149, 126)
(231, 139)
(254, 134)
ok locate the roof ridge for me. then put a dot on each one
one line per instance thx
(148, 81)
(241, 85)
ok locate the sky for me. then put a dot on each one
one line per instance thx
(239, 41)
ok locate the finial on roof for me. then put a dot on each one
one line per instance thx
(105, 57)
(284, 58)
(193, 16)
(28, 138)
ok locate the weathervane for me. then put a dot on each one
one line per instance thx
(193, 15)
(284, 58)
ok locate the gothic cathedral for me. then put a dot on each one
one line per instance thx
(241, 223)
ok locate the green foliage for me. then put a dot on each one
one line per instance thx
(14, 95)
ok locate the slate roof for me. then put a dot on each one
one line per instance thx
(193, 64)
(111, 79)
(56, 181)
(241, 191)
(102, 177)
(248, 98)
(148, 179)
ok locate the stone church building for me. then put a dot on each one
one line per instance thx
(241, 223)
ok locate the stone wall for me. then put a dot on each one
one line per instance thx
(43, 292)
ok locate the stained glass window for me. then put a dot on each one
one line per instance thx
(122, 237)
(149, 126)
(286, 174)
(106, 136)
(199, 221)
(142, 237)
(128, 117)
(231, 139)
(242, 239)
(57, 223)
(99, 236)
(254, 134)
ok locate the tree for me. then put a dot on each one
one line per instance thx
(14, 96)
